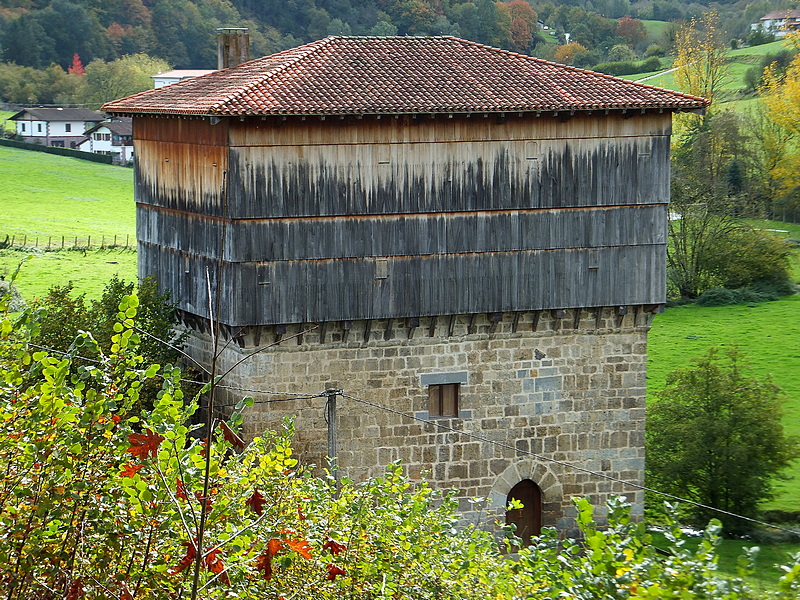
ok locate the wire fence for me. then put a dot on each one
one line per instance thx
(54, 243)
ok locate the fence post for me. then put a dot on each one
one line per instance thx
(127, 235)
(50, 239)
(25, 240)
(115, 241)
(76, 243)
(62, 242)
(89, 243)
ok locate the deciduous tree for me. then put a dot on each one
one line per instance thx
(714, 436)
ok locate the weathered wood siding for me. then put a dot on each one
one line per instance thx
(364, 219)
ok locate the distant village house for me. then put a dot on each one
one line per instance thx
(779, 23)
(112, 137)
(175, 76)
(57, 127)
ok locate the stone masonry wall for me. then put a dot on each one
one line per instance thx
(567, 387)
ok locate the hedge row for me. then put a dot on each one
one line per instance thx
(100, 158)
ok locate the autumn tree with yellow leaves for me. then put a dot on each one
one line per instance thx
(780, 95)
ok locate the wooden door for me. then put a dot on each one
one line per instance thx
(528, 519)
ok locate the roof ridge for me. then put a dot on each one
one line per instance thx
(302, 53)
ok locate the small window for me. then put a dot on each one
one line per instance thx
(68, 127)
(443, 400)
(39, 127)
(23, 126)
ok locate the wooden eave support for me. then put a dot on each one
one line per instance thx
(537, 314)
(412, 323)
(388, 333)
(471, 326)
(598, 317)
(494, 319)
(432, 327)
(367, 329)
(621, 312)
(346, 327)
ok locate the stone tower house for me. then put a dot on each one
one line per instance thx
(468, 242)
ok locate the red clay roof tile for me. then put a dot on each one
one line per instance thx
(398, 75)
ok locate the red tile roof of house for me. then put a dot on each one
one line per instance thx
(781, 14)
(398, 75)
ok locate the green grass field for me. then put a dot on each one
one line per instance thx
(45, 195)
(89, 271)
(768, 559)
(768, 333)
(49, 196)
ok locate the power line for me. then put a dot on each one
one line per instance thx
(569, 465)
(468, 434)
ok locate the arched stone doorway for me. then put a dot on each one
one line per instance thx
(528, 519)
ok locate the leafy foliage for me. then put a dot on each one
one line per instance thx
(715, 436)
(781, 96)
(63, 316)
(98, 503)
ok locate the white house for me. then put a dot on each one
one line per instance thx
(780, 23)
(114, 137)
(169, 77)
(61, 127)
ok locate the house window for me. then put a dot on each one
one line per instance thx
(39, 127)
(23, 127)
(68, 127)
(443, 400)
(444, 393)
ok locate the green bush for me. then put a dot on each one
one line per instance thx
(62, 316)
(90, 156)
(651, 64)
(627, 67)
(745, 257)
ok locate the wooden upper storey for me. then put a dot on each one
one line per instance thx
(323, 220)
(262, 169)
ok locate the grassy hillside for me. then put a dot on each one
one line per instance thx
(49, 196)
(768, 333)
(740, 61)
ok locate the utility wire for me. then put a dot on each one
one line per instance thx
(463, 433)
(569, 465)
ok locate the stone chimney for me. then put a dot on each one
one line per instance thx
(233, 46)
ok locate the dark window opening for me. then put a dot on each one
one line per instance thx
(68, 127)
(528, 519)
(443, 400)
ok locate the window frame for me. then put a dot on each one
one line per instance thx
(437, 400)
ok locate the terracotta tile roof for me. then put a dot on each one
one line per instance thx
(389, 75)
(58, 114)
(781, 14)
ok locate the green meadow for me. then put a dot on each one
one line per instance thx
(52, 198)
